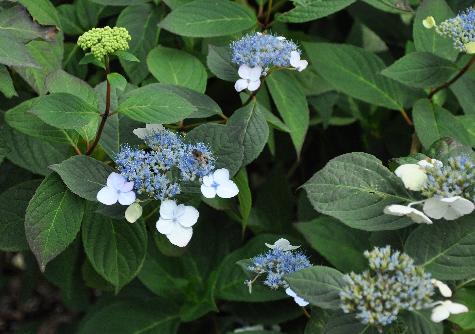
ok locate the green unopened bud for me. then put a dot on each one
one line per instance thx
(105, 41)
(133, 212)
(470, 47)
(429, 22)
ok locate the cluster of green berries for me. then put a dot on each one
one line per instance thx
(105, 41)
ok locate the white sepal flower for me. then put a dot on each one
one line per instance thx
(282, 244)
(299, 300)
(116, 190)
(443, 288)
(133, 212)
(444, 309)
(149, 130)
(218, 183)
(449, 208)
(250, 78)
(296, 62)
(402, 210)
(176, 221)
(430, 163)
(413, 176)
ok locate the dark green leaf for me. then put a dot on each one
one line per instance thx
(6, 83)
(305, 11)
(219, 63)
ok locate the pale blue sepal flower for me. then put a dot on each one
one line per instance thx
(219, 184)
(296, 62)
(299, 300)
(250, 78)
(176, 221)
(116, 190)
(282, 244)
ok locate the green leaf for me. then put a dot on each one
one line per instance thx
(65, 111)
(176, 67)
(62, 82)
(319, 285)
(219, 63)
(466, 296)
(244, 196)
(421, 70)
(463, 89)
(13, 204)
(419, 322)
(126, 56)
(53, 218)
(18, 24)
(345, 324)
(326, 234)
(120, 2)
(468, 121)
(117, 81)
(356, 72)
(14, 53)
(150, 104)
(89, 58)
(137, 316)
(6, 83)
(291, 104)
(115, 248)
(306, 11)
(447, 251)
(42, 11)
(141, 21)
(254, 130)
(209, 18)
(433, 123)
(83, 175)
(391, 6)
(355, 188)
(427, 39)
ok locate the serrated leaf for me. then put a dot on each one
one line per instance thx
(319, 285)
(17, 23)
(418, 321)
(355, 188)
(62, 82)
(53, 218)
(421, 70)
(42, 11)
(115, 248)
(177, 67)
(310, 10)
(447, 251)
(83, 175)
(209, 18)
(14, 53)
(13, 204)
(6, 83)
(219, 63)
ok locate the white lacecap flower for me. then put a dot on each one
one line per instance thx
(413, 176)
(449, 208)
(296, 62)
(149, 130)
(430, 163)
(442, 287)
(133, 212)
(282, 244)
(176, 221)
(218, 183)
(299, 300)
(402, 210)
(116, 190)
(250, 78)
(444, 309)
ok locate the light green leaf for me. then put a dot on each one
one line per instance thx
(209, 18)
(120, 2)
(62, 82)
(115, 248)
(291, 104)
(325, 234)
(13, 204)
(219, 63)
(42, 11)
(149, 104)
(427, 39)
(319, 285)
(176, 67)
(356, 72)
(117, 81)
(306, 11)
(391, 6)
(433, 123)
(14, 53)
(6, 83)
(421, 70)
(52, 220)
(355, 188)
(83, 175)
(141, 21)
(446, 250)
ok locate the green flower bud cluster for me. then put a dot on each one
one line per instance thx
(455, 178)
(392, 284)
(105, 41)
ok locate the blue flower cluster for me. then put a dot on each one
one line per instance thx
(276, 263)
(455, 178)
(264, 50)
(158, 171)
(461, 29)
(392, 284)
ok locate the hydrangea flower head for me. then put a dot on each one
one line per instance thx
(104, 41)
(392, 284)
(461, 29)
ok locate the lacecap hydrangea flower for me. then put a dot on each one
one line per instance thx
(391, 285)
(461, 29)
(104, 41)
